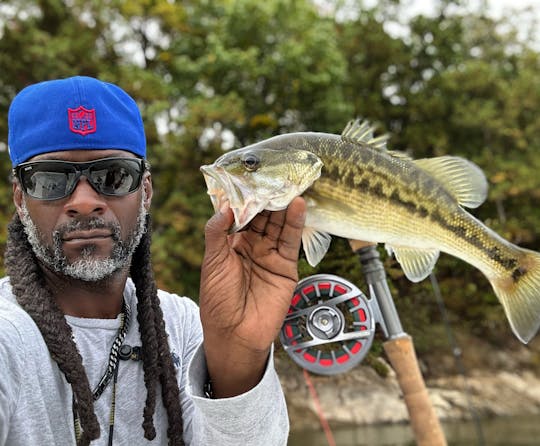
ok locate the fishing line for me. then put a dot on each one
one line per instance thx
(322, 419)
(457, 353)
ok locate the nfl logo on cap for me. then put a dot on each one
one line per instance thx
(81, 120)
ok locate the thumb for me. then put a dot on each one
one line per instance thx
(217, 230)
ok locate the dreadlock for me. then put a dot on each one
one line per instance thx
(157, 359)
(33, 295)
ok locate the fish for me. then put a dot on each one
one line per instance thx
(358, 189)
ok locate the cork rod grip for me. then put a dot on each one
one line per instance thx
(424, 422)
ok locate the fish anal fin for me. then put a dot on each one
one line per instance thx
(416, 263)
(361, 132)
(315, 244)
(463, 179)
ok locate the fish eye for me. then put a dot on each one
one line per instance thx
(251, 162)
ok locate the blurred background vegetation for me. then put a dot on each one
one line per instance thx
(213, 75)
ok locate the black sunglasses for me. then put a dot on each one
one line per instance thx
(53, 179)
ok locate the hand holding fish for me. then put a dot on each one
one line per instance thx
(247, 281)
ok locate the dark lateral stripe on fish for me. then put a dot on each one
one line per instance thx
(373, 183)
(374, 179)
(494, 252)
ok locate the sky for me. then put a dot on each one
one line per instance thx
(521, 12)
(495, 7)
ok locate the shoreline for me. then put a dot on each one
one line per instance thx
(363, 397)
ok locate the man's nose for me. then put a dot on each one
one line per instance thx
(84, 200)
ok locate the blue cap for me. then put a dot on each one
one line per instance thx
(73, 114)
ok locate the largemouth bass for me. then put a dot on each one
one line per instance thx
(357, 189)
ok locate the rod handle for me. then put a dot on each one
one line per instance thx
(424, 421)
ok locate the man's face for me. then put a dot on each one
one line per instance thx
(87, 235)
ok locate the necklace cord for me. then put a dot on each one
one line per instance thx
(110, 373)
(113, 356)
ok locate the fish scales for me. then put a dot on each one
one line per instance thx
(375, 180)
(355, 188)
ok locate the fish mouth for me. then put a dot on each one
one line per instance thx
(222, 188)
(214, 184)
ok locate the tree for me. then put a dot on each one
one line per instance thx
(210, 75)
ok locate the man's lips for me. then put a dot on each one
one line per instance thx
(90, 235)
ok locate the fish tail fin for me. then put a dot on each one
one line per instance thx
(519, 294)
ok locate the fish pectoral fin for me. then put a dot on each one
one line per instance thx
(315, 244)
(460, 177)
(416, 263)
(361, 132)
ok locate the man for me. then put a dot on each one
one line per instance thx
(89, 349)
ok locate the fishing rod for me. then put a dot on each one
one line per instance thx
(330, 328)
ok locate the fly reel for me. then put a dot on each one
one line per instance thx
(330, 325)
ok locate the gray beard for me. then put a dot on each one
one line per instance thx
(86, 268)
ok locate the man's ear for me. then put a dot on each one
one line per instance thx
(18, 197)
(148, 189)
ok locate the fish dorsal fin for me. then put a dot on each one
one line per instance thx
(460, 177)
(315, 244)
(361, 132)
(417, 264)
(400, 155)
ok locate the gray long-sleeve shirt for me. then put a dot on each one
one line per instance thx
(36, 400)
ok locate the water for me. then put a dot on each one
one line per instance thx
(504, 431)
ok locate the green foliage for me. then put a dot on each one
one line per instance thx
(209, 74)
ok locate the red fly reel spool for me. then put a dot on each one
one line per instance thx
(330, 325)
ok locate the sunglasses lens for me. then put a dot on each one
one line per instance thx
(52, 180)
(47, 180)
(116, 176)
